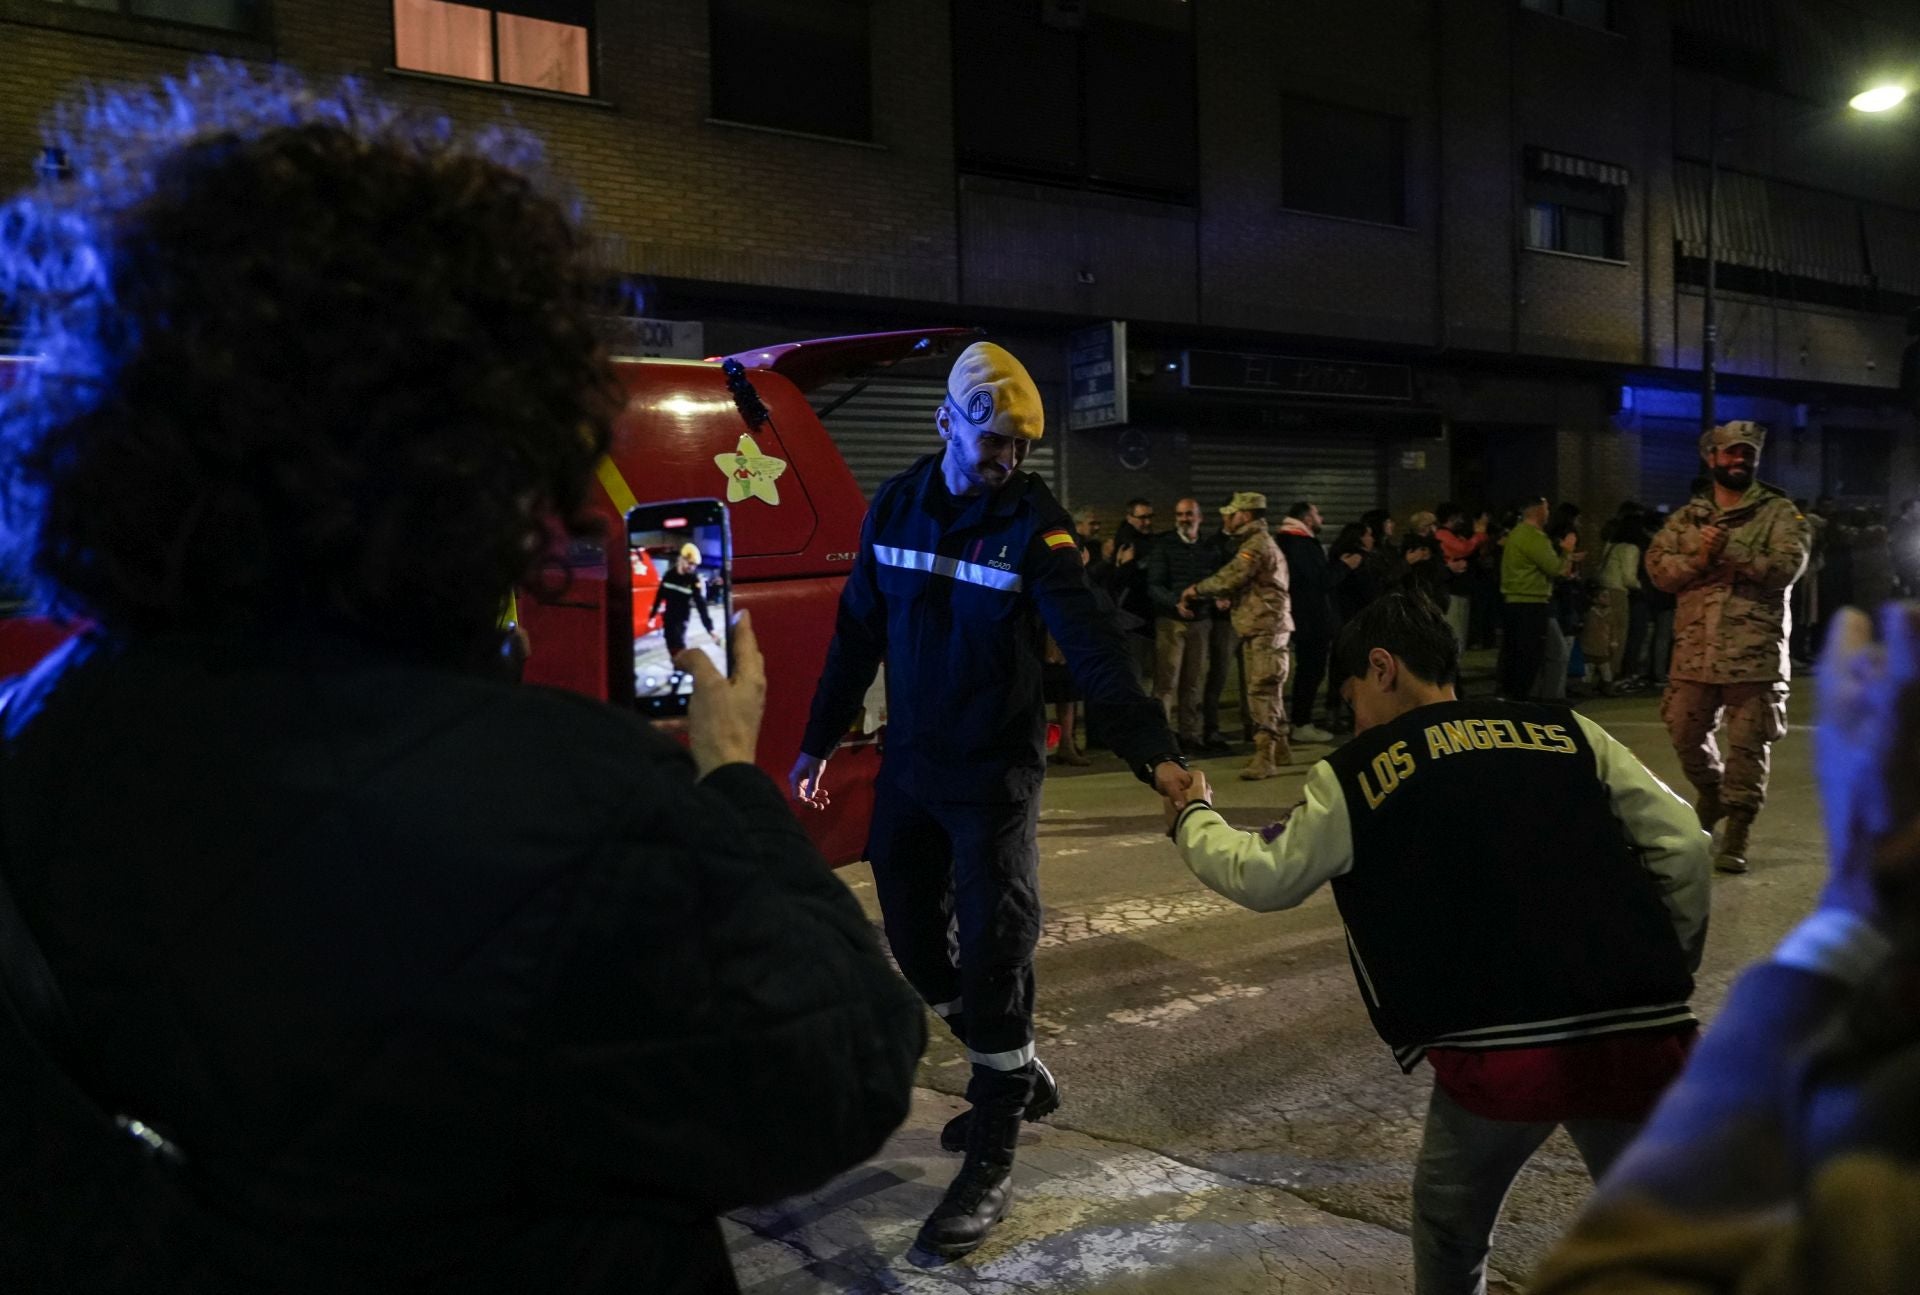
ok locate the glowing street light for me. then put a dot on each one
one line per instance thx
(1879, 98)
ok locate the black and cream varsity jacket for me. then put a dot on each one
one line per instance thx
(1508, 876)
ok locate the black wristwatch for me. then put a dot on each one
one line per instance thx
(1145, 771)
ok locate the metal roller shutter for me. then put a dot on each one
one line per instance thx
(1343, 474)
(889, 424)
(1669, 460)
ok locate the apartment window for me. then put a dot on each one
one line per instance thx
(541, 44)
(802, 65)
(1576, 205)
(1096, 94)
(246, 16)
(1590, 13)
(1338, 161)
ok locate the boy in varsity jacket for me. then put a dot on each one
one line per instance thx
(1525, 905)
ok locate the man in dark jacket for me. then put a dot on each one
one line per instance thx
(965, 563)
(1311, 588)
(433, 983)
(1133, 542)
(1180, 558)
(1525, 905)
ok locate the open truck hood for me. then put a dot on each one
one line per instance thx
(810, 365)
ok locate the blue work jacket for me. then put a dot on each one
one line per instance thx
(959, 610)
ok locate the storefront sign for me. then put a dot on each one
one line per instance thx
(631, 336)
(1097, 376)
(1294, 375)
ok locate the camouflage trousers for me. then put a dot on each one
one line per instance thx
(1263, 674)
(1756, 716)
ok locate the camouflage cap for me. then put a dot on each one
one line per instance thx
(1248, 501)
(1739, 432)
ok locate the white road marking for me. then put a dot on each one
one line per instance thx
(1186, 1005)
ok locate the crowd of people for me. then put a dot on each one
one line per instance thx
(1602, 627)
(1607, 629)
(335, 960)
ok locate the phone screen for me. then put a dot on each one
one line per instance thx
(681, 557)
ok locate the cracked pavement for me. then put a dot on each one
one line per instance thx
(1230, 1120)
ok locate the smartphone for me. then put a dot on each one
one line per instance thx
(681, 556)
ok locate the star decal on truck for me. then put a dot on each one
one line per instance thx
(751, 474)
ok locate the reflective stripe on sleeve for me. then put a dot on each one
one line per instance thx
(944, 1010)
(936, 564)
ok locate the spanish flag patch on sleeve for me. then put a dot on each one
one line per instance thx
(1058, 539)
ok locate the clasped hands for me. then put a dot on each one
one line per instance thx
(1177, 796)
(1191, 595)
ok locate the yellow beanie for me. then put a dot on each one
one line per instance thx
(991, 390)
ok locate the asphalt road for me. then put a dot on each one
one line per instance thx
(1235, 1042)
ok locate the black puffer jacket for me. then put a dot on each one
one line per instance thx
(451, 986)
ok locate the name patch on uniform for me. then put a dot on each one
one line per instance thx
(1057, 539)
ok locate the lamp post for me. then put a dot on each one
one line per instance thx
(1880, 98)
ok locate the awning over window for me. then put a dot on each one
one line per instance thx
(1547, 162)
(1893, 247)
(1743, 230)
(1817, 235)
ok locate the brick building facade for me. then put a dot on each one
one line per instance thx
(1528, 365)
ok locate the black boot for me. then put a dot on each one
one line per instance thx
(980, 1193)
(1044, 1102)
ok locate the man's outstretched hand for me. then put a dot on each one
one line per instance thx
(1170, 780)
(804, 781)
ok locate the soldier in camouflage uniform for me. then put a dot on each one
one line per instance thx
(1256, 579)
(1730, 556)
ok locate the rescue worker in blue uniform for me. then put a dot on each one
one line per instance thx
(682, 592)
(965, 564)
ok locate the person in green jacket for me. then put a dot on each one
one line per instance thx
(1529, 564)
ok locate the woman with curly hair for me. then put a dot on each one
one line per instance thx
(414, 980)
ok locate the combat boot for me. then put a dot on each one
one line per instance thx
(1261, 766)
(980, 1193)
(1730, 851)
(1709, 808)
(1044, 1102)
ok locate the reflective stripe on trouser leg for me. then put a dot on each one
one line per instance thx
(996, 907)
(1013, 1060)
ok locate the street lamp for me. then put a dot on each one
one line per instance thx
(1879, 98)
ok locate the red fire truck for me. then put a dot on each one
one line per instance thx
(742, 430)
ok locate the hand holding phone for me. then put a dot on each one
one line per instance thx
(723, 718)
(681, 554)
